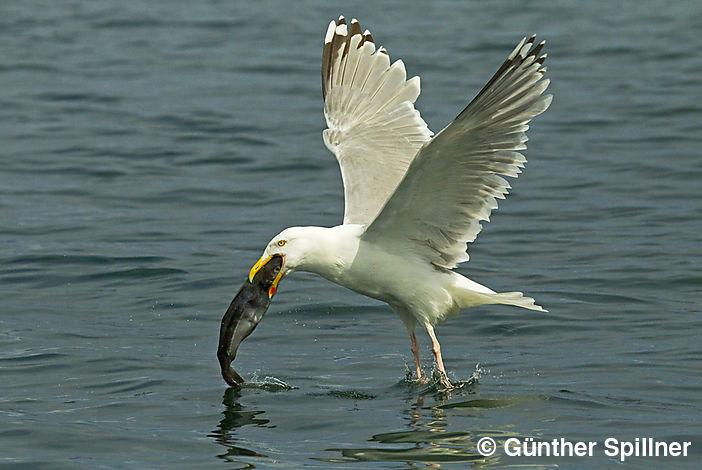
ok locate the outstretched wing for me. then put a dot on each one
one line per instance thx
(373, 128)
(453, 183)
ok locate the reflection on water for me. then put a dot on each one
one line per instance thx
(235, 417)
(435, 431)
(429, 440)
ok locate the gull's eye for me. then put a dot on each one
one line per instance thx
(281, 243)
(276, 270)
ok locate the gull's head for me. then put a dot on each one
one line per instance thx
(296, 245)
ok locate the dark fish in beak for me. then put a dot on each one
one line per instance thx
(244, 313)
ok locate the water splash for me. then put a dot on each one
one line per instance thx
(268, 383)
(434, 385)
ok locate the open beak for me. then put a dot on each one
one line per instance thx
(261, 263)
(245, 312)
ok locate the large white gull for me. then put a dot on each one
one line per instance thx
(413, 201)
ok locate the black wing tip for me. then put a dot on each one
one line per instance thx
(536, 50)
(512, 62)
(354, 28)
(334, 40)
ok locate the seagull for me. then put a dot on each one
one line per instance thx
(413, 200)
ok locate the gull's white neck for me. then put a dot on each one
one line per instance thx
(328, 251)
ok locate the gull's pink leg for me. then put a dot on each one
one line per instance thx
(415, 352)
(436, 349)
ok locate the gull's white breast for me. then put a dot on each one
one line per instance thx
(403, 280)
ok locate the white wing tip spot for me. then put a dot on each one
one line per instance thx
(513, 54)
(330, 32)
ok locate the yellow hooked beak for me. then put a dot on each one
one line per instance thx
(261, 263)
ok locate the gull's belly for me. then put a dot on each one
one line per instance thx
(376, 279)
(397, 280)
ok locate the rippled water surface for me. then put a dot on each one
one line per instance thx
(150, 150)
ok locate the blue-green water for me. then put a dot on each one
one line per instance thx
(149, 151)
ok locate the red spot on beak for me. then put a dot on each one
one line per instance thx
(271, 291)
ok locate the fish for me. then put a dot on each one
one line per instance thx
(243, 315)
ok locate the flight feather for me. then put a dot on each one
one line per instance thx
(373, 128)
(455, 180)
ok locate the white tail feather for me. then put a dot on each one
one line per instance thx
(518, 300)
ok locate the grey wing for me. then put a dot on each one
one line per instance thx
(455, 180)
(373, 128)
